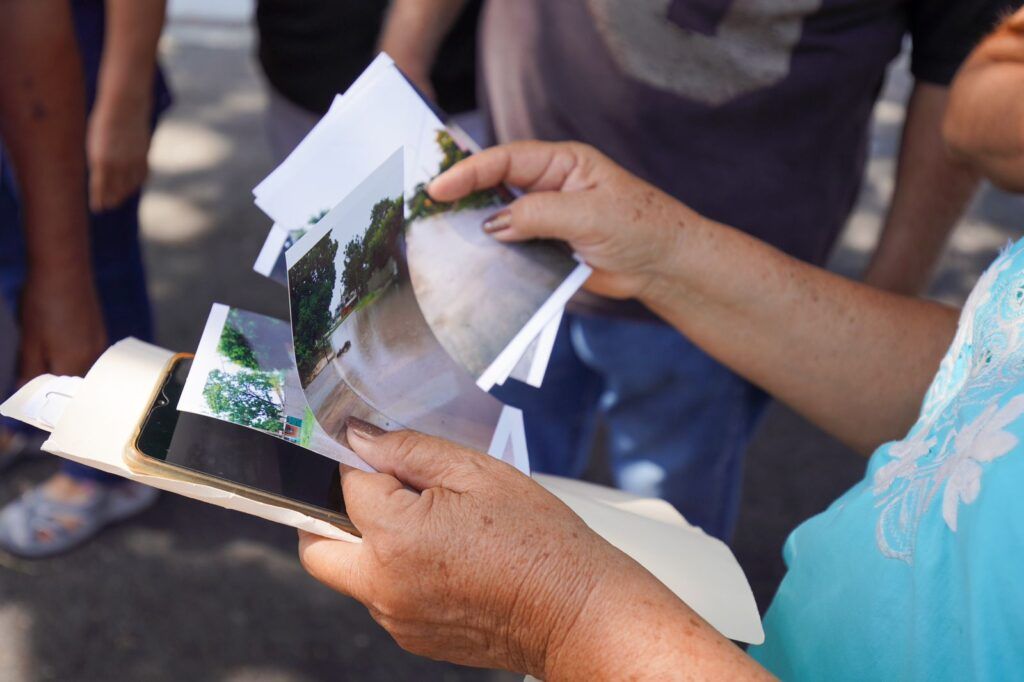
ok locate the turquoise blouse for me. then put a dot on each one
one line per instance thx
(917, 572)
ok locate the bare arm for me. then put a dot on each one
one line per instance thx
(42, 122)
(413, 32)
(119, 127)
(932, 189)
(853, 359)
(985, 120)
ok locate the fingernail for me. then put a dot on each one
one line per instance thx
(363, 429)
(501, 220)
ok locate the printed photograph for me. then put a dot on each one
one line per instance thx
(357, 326)
(475, 294)
(271, 262)
(244, 373)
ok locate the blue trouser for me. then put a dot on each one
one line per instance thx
(117, 264)
(677, 421)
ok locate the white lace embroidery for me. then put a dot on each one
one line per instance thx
(976, 395)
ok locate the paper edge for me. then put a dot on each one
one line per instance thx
(506, 360)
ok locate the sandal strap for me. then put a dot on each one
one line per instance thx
(34, 512)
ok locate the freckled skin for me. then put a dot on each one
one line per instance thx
(532, 589)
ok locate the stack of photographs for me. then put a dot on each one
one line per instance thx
(403, 312)
(381, 112)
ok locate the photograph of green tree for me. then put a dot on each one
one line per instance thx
(253, 394)
(244, 372)
(421, 205)
(249, 397)
(330, 283)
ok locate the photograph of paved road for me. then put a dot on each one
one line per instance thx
(393, 362)
(359, 334)
(475, 292)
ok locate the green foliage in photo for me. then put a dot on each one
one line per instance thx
(366, 255)
(311, 286)
(236, 347)
(250, 398)
(422, 206)
(255, 342)
(306, 432)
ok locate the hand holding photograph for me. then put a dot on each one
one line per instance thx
(484, 301)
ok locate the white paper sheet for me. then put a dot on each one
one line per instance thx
(699, 569)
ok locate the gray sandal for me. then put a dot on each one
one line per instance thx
(20, 446)
(34, 525)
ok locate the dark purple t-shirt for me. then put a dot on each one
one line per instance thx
(754, 112)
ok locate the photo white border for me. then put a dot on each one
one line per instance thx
(502, 367)
(203, 363)
(271, 250)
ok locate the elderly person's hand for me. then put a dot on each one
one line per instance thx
(484, 567)
(614, 220)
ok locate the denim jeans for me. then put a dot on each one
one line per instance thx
(677, 421)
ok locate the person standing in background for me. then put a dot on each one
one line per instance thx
(70, 260)
(754, 113)
(312, 50)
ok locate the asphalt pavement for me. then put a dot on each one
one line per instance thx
(193, 592)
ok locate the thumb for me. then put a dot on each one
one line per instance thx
(373, 498)
(335, 563)
(413, 458)
(531, 165)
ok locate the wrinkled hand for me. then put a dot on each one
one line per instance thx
(117, 150)
(614, 220)
(483, 567)
(62, 328)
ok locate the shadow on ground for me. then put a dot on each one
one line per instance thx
(193, 592)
